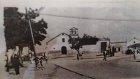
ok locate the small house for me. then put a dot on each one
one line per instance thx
(101, 45)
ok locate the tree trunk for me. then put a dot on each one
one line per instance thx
(78, 54)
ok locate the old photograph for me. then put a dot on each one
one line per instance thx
(69, 39)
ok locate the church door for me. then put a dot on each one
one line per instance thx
(63, 50)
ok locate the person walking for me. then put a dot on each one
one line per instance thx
(104, 54)
(135, 52)
(113, 51)
(36, 59)
(16, 63)
(7, 65)
(40, 61)
(30, 57)
(46, 59)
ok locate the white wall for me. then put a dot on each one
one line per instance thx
(90, 48)
(59, 43)
(94, 48)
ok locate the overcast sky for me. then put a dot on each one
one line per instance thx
(116, 19)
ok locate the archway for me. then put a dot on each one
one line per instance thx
(64, 50)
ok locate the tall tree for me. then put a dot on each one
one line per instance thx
(12, 19)
(89, 40)
(78, 42)
(17, 31)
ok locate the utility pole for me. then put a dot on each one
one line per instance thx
(33, 41)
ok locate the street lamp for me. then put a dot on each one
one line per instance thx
(33, 41)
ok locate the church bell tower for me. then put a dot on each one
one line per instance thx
(74, 32)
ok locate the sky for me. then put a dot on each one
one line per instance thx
(117, 19)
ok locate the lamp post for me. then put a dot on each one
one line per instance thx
(31, 31)
(134, 49)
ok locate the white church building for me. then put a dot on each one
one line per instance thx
(62, 46)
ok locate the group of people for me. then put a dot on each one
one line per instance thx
(15, 63)
(40, 61)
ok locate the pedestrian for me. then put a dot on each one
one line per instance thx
(30, 57)
(40, 61)
(36, 59)
(104, 54)
(16, 63)
(135, 52)
(7, 65)
(109, 51)
(46, 59)
(113, 51)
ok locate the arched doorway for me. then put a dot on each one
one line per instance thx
(64, 50)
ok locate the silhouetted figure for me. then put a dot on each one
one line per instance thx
(30, 57)
(16, 63)
(113, 51)
(109, 51)
(7, 65)
(46, 59)
(36, 59)
(104, 54)
(135, 52)
(40, 61)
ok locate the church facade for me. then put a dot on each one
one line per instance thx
(62, 44)
(63, 47)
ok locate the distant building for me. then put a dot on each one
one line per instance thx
(119, 46)
(124, 45)
(133, 41)
(99, 47)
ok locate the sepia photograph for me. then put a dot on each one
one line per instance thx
(69, 39)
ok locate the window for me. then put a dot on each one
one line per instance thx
(63, 39)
